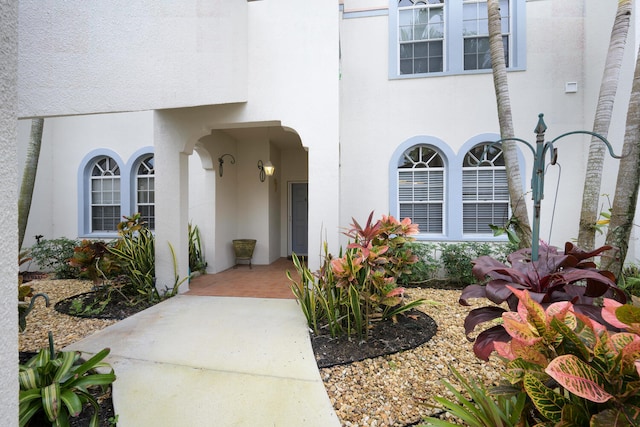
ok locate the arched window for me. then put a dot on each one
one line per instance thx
(145, 191)
(105, 195)
(421, 188)
(485, 194)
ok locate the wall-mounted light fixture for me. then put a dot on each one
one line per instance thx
(221, 161)
(266, 169)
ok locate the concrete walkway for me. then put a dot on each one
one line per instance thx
(214, 361)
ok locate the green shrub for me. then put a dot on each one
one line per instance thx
(54, 255)
(480, 408)
(425, 268)
(134, 252)
(57, 386)
(456, 258)
(630, 280)
(196, 257)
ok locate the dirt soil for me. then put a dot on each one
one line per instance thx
(411, 330)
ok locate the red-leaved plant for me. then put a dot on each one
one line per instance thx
(575, 370)
(358, 286)
(555, 276)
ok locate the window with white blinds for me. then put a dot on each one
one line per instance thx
(421, 188)
(105, 194)
(485, 192)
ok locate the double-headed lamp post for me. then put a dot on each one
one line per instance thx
(537, 179)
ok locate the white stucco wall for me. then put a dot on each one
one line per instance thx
(66, 141)
(378, 114)
(8, 225)
(79, 57)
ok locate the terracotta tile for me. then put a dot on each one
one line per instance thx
(260, 281)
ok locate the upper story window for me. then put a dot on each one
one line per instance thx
(485, 192)
(435, 37)
(421, 188)
(475, 32)
(105, 195)
(421, 36)
(145, 191)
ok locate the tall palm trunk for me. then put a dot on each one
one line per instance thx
(626, 196)
(518, 205)
(29, 178)
(608, 87)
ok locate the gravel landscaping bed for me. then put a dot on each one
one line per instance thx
(392, 390)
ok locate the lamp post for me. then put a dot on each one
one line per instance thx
(537, 179)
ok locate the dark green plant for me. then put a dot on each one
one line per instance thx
(457, 257)
(480, 408)
(54, 255)
(425, 268)
(134, 252)
(57, 385)
(196, 257)
(630, 280)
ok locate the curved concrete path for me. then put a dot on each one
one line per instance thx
(214, 361)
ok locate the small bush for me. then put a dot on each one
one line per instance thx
(630, 280)
(425, 268)
(53, 255)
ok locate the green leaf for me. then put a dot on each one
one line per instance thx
(548, 402)
(27, 411)
(29, 378)
(72, 402)
(66, 358)
(51, 400)
(610, 418)
(578, 378)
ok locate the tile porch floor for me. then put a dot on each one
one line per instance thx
(260, 281)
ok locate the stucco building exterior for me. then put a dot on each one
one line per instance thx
(361, 105)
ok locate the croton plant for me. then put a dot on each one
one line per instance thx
(575, 370)
(555, 276)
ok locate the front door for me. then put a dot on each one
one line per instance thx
(299, 218)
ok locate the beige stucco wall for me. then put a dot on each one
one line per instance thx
(79, 57)
(378, 114)
(8, 225)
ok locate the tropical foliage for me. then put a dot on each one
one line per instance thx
(58, 385)
(555, 276)
(575, 370)
(358, 287)
(480, 408)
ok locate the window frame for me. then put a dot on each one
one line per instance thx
(453, 212)
(453, 44)
(150, 177)
(128, 183)
(429, 202)
(478, 200)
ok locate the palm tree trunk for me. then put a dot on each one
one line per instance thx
(608, 87)
(626, 195)
(29, 178)
(516, 195)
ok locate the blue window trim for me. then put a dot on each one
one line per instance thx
(132, 170)
(84, 196)
(453, 41)
(127, 188)
(453, 184)
(447, 154)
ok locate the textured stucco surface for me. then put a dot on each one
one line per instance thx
(8, 208)
(79, 57)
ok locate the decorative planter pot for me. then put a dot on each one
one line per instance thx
(243, 249)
